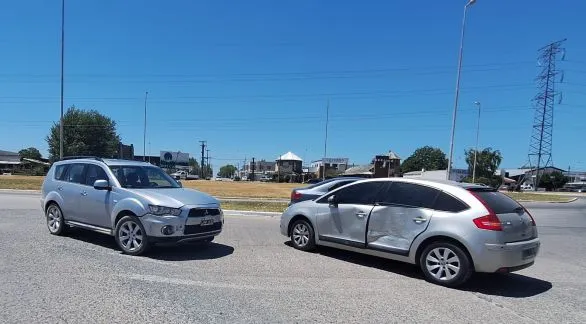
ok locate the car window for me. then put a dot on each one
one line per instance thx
(60, 172)
(361, 193)
(498, 202)
(93, 173)
(75, 173)
(143, 177)
(339, 184)
(409, 194)
(445, 202)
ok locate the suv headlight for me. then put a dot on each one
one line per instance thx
(162, 210)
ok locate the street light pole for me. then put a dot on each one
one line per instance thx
(145, 126)
(62, 61)
(476, 149)
(326, 140)
(449, 171)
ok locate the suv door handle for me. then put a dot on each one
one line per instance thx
(361, 214)
(60, 188)
(419, 220)
(83, 193)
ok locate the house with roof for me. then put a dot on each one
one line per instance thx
(289, 163)
(9, 161)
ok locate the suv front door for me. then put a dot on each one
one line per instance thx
(346, 221)
(96, 204)
(403, 212)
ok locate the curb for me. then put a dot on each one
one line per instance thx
(228, 212)
(550, 201)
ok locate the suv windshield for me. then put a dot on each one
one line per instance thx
(142, 177)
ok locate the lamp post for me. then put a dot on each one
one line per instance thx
(476, 149)
(62, 62)
(449, 171)
(146, 94)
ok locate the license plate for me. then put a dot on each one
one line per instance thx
(528, 253)
(207, 221)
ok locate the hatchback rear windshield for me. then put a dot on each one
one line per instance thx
(497, 201)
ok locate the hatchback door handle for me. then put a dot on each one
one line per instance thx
(83, 193)
(419, 220)
(361, 214)
(60, 188)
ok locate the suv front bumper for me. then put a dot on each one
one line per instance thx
(177, 228)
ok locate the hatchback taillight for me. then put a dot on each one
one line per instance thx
(295, 195)
(490, 222)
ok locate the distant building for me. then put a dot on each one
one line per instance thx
(386, 165)
(262, 166)
(337, 165)
(360, 171)
(125, 152)
(9, 161)
(455, 175)
(289, 163)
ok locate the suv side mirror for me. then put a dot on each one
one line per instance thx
(332, 201)
(102, 185)
(179, 183)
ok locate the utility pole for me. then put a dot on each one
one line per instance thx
(208, 162)
(146, 94)
(253, 168)
(203, 147)
(541, 143)
(477, 103)
(326, 140)
(62, 63)
(460, 57)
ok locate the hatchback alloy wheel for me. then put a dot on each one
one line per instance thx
(445, 264)
(302, 236)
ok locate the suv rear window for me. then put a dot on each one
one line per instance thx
(498, 202)
(60, 172)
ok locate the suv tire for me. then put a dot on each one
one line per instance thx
(131, 236)
(55, 221)
(445, 264)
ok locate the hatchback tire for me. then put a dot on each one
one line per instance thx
(131, 236)
(445, 264)
(302, 235)
(55, 221)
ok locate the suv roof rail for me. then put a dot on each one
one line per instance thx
(77, 157)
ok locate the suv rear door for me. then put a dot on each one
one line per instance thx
(517, 224)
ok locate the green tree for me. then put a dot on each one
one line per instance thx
(488, 161)
(193, 166)
(30, 153)
(85, 132)
(552, 181)
(227, 171)
(428, 158)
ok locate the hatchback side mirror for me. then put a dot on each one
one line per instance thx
(332, 201)
(102, 185)
(179, 183)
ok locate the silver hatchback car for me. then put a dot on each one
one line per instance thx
(136, 202)
(448, 229)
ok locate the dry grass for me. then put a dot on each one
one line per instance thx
(243, 188)
(214, 188)
(254, 206)
(525, 196)
(21, 182)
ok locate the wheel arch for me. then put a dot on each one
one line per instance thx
(441, 238)
(122, 214)
(296, 218)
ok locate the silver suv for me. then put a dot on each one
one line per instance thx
(136, 202)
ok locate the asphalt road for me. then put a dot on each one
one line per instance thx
(250, 275)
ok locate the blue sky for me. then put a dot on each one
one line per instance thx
(253, 77)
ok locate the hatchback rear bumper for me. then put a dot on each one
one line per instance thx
(507, 257)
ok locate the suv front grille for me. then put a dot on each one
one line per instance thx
(202, 212)
(198, 229)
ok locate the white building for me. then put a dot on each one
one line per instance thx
(456, 174)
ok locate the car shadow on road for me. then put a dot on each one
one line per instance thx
(190, 251)
(177, 252)
(512, 285)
